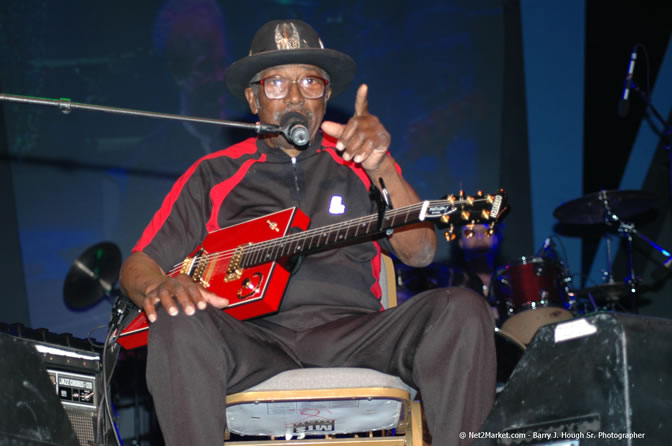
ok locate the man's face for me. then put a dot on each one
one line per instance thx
(271, 111)
(479, 241)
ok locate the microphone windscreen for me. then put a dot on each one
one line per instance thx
(295, 128)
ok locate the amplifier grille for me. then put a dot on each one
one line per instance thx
(83, 423)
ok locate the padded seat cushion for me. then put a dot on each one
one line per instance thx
(331, 378)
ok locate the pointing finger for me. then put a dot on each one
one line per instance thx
(333, 129)
(362, 101)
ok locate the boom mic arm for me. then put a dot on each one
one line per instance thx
(66, 106)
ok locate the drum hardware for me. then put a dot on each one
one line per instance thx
(611, 296)
(611, 208)
(604, 294)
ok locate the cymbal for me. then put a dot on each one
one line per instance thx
(611, 293)
(590, 209)
(605, 292)
(92, 276)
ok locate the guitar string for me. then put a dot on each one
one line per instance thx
(283, 241)
(275, 243)
(305, 235)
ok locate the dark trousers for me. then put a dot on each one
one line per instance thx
(440, 342)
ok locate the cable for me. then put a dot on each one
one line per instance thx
(111, 348)
(109, 363)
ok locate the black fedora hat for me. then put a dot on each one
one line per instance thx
(290, 41)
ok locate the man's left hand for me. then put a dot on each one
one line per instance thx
(363, 139)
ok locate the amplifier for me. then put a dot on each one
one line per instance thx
(600, 380)
(74, 373)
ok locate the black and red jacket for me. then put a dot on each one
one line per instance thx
(250, 180)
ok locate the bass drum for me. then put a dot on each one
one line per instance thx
(530, 293)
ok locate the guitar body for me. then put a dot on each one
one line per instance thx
(252, 291)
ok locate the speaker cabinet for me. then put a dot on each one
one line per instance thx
(30, 412)
(603, 379)
(73, 376)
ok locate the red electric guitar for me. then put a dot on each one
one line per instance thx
(247, 262)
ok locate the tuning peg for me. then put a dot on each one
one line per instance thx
(490, 231)
(465, 215)
(451, 198)
(445, 218)
(485, 214)
(490, 198)
(469, 233)
(450, 234)
(470, 200)
(479, 193)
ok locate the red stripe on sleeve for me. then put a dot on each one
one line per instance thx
(236, 151)
(221, 191)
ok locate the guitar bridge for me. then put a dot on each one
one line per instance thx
(198, 268)
(234, 271)
(186, 265)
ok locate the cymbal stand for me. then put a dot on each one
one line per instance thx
(609, 273)
(627, 230)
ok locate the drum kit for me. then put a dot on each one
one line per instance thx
(535, 291)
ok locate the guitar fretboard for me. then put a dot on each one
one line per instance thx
(329, 236)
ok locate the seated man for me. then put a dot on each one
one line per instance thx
(439, 342)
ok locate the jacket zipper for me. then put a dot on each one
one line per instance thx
(296, 178)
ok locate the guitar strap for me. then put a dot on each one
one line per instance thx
(382, 200)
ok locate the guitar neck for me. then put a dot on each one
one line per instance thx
(469, 211)
(330, 236)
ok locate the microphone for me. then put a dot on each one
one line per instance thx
(295, 128)
(624, 103)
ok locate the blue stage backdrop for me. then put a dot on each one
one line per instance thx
(446, 78)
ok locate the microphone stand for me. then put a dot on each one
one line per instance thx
(665, 134)
(66, 106)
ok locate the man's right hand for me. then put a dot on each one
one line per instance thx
(176, 292)
(142, 279)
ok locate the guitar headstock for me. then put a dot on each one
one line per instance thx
(466, 210)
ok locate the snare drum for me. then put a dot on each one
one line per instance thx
(530, 293)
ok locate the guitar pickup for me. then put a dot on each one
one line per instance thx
(234, 270)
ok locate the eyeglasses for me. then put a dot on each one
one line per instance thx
(277, 87)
